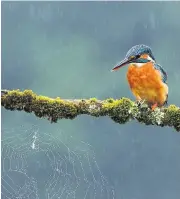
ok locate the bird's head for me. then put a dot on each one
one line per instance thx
(137, 55)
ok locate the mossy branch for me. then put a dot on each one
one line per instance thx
(120, 110)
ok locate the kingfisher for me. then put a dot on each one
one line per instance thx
(147, 79)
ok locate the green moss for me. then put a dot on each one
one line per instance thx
(93, 100)
(121, 110)
(82, 107)
(118, 110)
(42, 106)
(143, 113)
(172, 117)
(16, 100)
(54, 109)
(110, 100)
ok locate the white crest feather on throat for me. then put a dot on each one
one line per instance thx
(139, 64)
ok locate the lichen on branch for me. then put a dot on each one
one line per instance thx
(120, 110)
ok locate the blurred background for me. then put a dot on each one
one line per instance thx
(67, 49)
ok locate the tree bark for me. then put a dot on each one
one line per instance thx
(119, 110)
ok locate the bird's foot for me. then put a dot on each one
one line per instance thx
(154, 106)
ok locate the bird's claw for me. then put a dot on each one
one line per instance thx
(154, 106)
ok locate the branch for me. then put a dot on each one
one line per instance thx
(120, 110)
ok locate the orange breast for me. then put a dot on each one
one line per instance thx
(146, 83)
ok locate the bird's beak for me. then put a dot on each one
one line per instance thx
(122, 63)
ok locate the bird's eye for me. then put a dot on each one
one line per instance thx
(138, 56)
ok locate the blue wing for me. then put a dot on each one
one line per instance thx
(162, 71)
(163, 76)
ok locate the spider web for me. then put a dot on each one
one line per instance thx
(36, 165)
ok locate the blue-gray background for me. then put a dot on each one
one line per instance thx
(67, 49)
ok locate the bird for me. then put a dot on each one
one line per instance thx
(147, 79)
